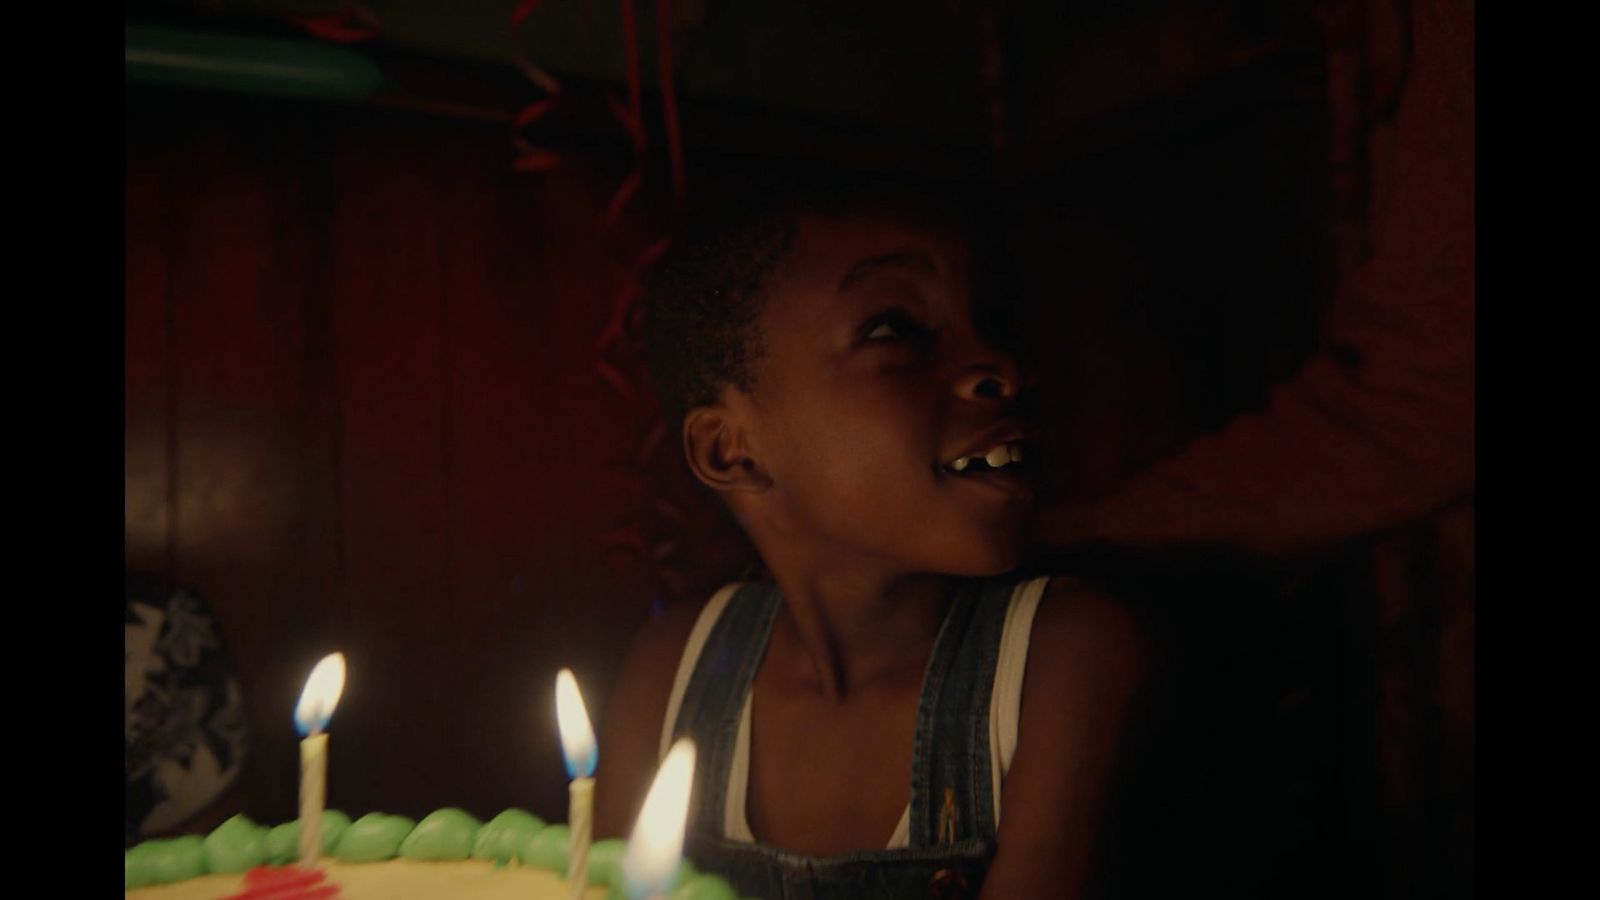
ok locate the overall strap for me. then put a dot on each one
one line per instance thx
(709, 710)
(952, 798)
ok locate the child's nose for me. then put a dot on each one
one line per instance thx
(994, 379)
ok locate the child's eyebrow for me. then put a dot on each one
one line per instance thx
(910, 260)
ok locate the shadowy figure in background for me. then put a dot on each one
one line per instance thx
(1331, 534)
(1377, 426)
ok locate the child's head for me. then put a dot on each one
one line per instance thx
(831, 352)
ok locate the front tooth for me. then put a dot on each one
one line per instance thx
(960, 465)
(997, 457)
(1016, 452)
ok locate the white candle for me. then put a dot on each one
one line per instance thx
(581, 754)
(313, 793)
(311, 715)
(580, 805)
(656, 846)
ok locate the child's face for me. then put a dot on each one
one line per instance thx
(873, 380)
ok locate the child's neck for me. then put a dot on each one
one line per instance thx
(841, 630)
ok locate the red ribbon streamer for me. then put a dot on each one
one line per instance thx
(633, 120)
(538, 76)
(351, 24)
(653, 252)
(616, 379)
(632, 545)
(624, 193)
(630, 37)
(523, 10)
(626, 116)
(669, 100)
(530, 158)
(533, 111)
(536, 161)
(652, 440)
(622, 304)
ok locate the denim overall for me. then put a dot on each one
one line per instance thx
(952, 824)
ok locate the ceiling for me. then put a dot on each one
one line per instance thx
(914, 65)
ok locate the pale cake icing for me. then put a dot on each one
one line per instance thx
(398, 879)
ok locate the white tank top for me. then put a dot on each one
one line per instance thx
(1005, 704)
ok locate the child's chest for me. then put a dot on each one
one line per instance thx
(827, 778)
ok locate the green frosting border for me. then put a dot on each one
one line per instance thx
(239, 844)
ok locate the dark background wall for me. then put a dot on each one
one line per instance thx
(363, 414)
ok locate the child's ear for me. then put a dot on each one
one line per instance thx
(718, 453)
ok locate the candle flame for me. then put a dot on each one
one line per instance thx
(320, 696)
(656, 846)
(577, 735)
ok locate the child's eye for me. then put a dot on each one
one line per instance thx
(892, 326)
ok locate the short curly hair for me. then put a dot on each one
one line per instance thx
(705, 298)
(703, 303)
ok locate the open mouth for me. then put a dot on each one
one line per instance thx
(1008, 456)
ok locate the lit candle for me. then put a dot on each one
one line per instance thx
(578, 747)
(655, 848)
(311, 716)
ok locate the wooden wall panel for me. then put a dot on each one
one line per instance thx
(523, 451)
(392, 619)
(146, 369)
(242, 277)
(535, 445)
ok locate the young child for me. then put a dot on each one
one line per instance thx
(892, 715)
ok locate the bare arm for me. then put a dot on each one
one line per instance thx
(1086, 660)
(630, 733)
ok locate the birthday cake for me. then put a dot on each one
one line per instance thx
(449, 853)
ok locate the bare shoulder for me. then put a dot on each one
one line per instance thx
(634, 712)
(1081, 624)
(1087, 659)
(659, 643)
(644, 683)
